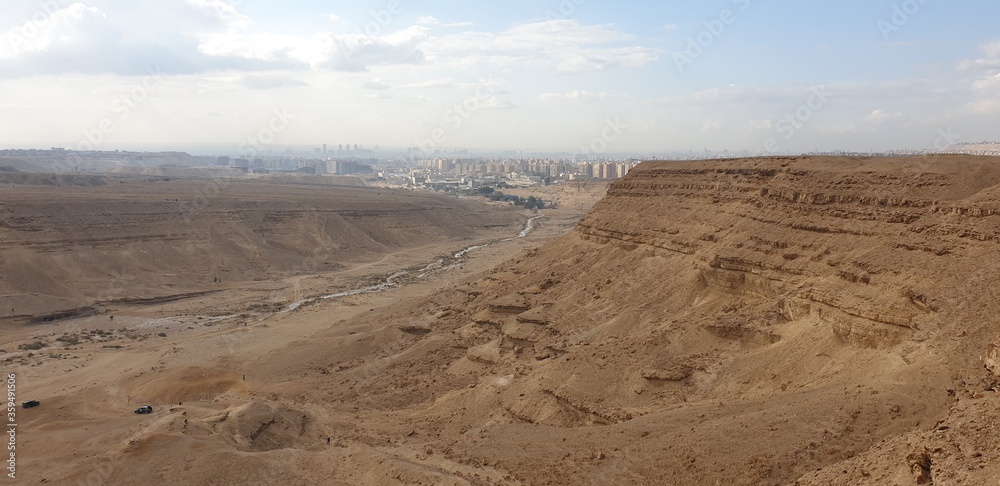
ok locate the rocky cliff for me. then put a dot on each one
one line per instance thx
(745, 321)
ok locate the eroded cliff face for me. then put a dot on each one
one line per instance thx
(757, 319)
(857, 247)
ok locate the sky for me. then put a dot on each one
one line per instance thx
(582, 76)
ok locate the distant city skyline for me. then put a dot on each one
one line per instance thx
(560, 76)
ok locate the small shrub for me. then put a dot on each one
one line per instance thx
(69, 339)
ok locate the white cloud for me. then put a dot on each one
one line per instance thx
(986, 95)
(882, 117)
(579, 96)
(358, 52)
(212, 35)
(339, 52)
(838, 128)
(375, 84)
(271, 81)
(713, 125)
(992, 50)
(985, 106)
(754, 126)
(86, 40)
(430, 20)
(645, 125)
(986, 88)
(564, 45)
(740, 95)
(225, 11)
(497, 103)
(60, 28)
(989, 61)
(444, 83)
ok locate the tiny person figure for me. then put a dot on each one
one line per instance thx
(328, 440)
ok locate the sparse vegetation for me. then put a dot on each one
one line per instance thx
(69, 339)
(530, 202)
(32, 346)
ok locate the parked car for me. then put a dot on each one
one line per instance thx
(30, 404)
(144, 409)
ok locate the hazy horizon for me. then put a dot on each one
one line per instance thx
(559, 76)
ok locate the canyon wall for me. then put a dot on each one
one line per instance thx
(745, 320)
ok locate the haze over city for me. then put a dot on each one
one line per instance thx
(560, 75)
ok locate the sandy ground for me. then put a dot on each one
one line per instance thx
(786, 320)
(189, 358)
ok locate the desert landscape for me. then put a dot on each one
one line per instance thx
(774, 320)
(569, 242)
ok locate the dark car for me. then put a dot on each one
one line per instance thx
(30, 404)
(144, 409)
